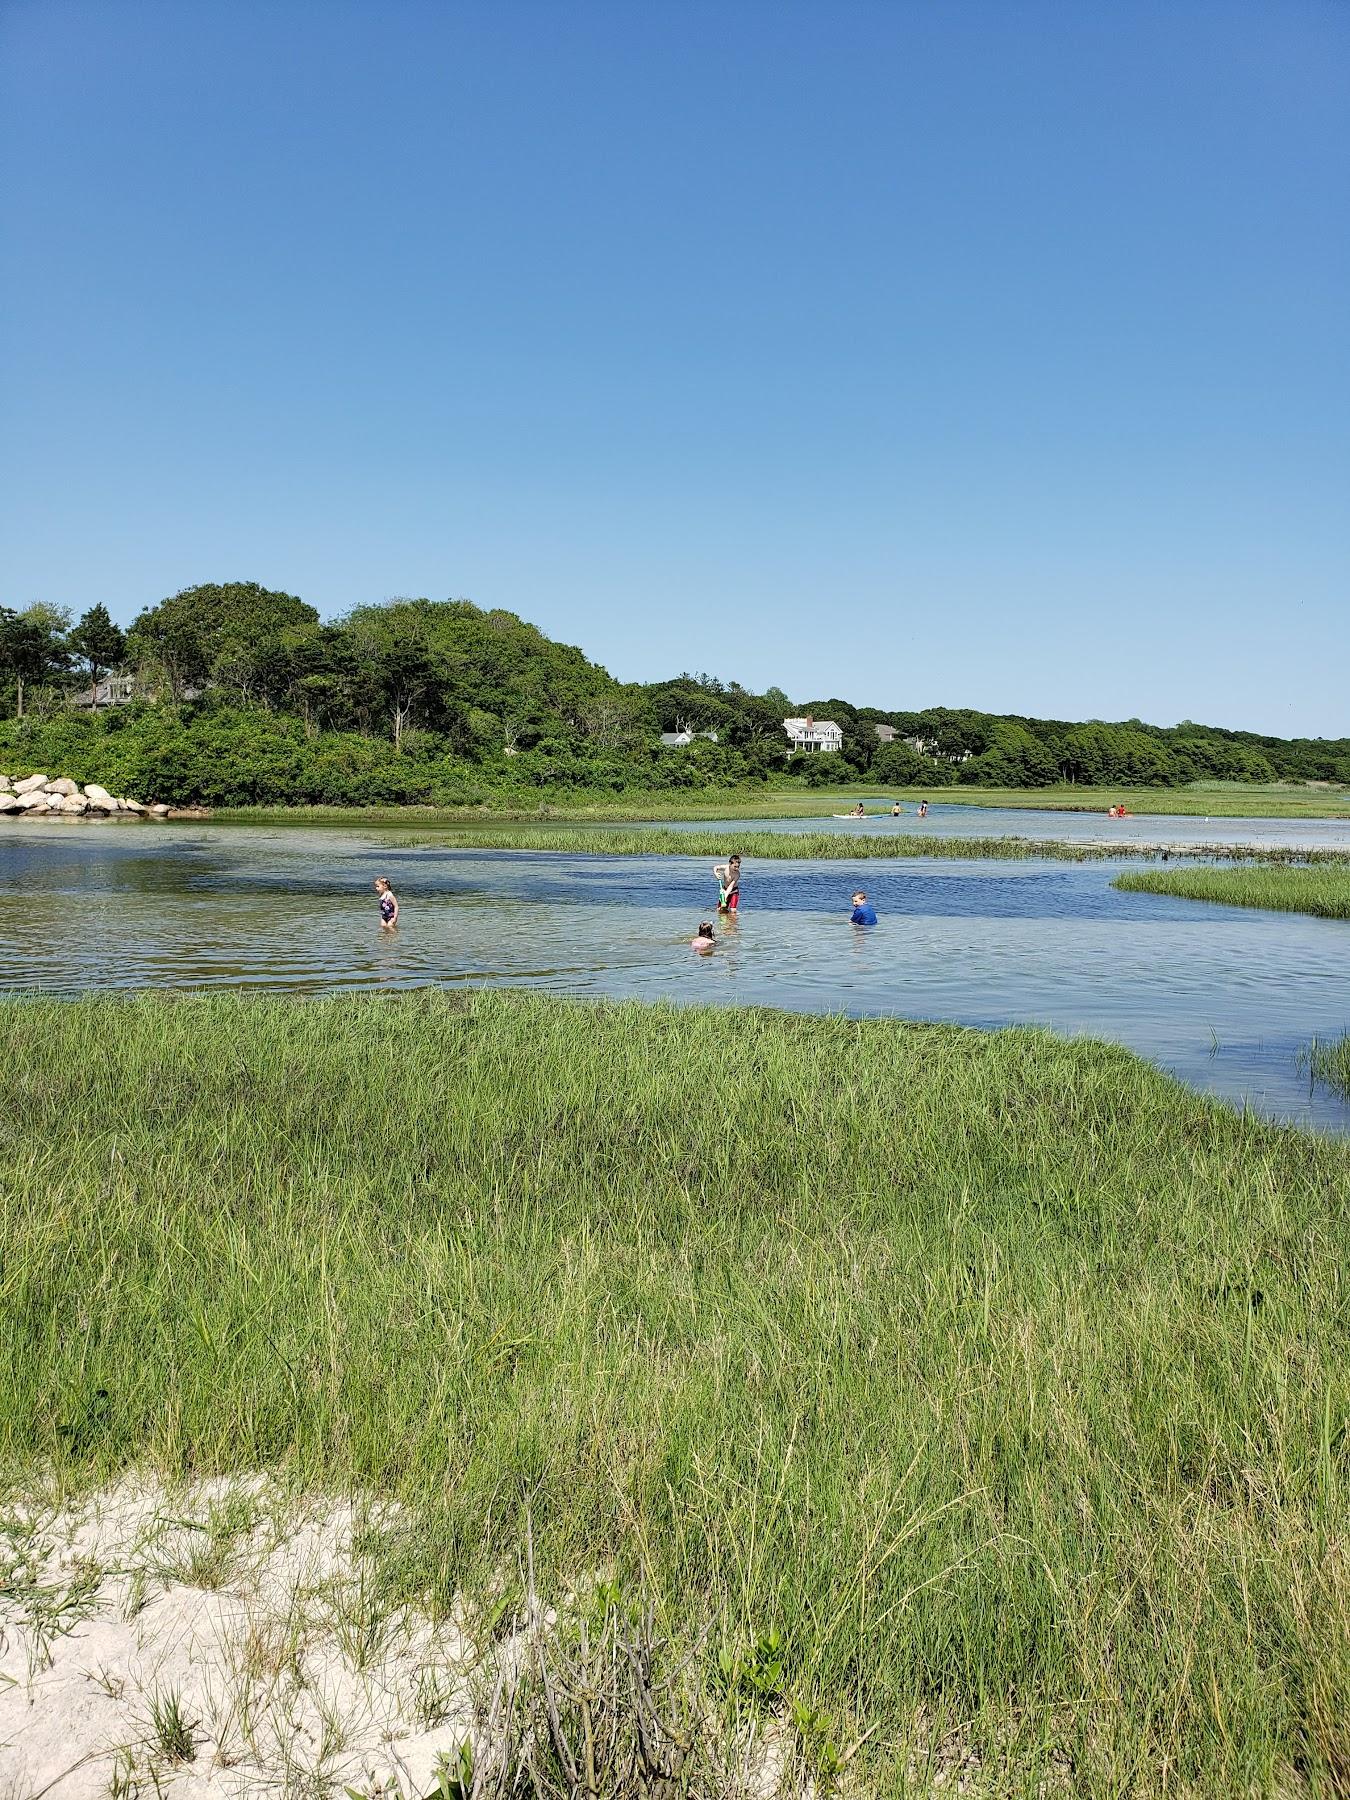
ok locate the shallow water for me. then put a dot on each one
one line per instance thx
(1224, 997)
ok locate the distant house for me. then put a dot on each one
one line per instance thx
(885, 732)
(814, 734)
(117, 690)
(929, 747)
(677, 740)
(112, 690)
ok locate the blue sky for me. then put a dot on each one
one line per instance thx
(946, 353)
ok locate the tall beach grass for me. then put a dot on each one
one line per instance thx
(996, 1383)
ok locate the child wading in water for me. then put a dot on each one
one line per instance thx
(729, 884)
(388, 903)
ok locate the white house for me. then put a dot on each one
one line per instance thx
(814, 734)
(109, 690)
(679, 740)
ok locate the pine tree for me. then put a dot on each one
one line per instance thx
(99, 643)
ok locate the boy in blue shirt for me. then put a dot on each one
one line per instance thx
(864, 913)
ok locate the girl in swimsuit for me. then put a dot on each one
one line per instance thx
(388, 903)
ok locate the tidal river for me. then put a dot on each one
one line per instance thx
(1223, 997)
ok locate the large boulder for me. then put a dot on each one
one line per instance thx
(31, 784)
(132, 806)
(74, 804)
(6, 785)
(32, 802)
(10, 803)
(159, 810)
(63, 786)
(99, 795)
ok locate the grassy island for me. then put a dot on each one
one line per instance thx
(933, 1387)
(1224, 801)
(1322, 889)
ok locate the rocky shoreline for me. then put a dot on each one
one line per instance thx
(58, 797)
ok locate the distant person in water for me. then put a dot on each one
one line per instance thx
(388, 903)
(705, 940)
(923, 809)
(728, 884)
(864, 913)
(896, 810)
(857, 812)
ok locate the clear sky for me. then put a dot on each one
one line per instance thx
(918, 352)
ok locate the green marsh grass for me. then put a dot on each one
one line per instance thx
(997, 1381)
(1322, 889)
(1238, 800)
(818, 846)
(1330, 1062)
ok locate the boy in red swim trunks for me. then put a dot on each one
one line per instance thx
(729, 884)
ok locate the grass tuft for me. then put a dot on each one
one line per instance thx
(173, 1731)
(1330, 1063)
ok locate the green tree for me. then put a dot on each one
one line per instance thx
(98, 643)
(222, 632)
(32, 649)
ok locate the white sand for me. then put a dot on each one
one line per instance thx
(256, 1614)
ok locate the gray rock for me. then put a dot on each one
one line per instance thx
(33, 802)
(9, 803)
(63, 786)
(132, 806)
(99, 795)
(30, 784)
(159, 810)
(74, 804)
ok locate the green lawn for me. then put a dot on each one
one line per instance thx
(996, 1383)
(1323, 890)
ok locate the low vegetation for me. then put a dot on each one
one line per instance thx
(977, 1397)
(578, 807)
(1330, 1063)
(1322, 889)
(817, 846)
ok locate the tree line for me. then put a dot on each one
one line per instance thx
(243, 695)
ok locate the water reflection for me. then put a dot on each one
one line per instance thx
(979, 943)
